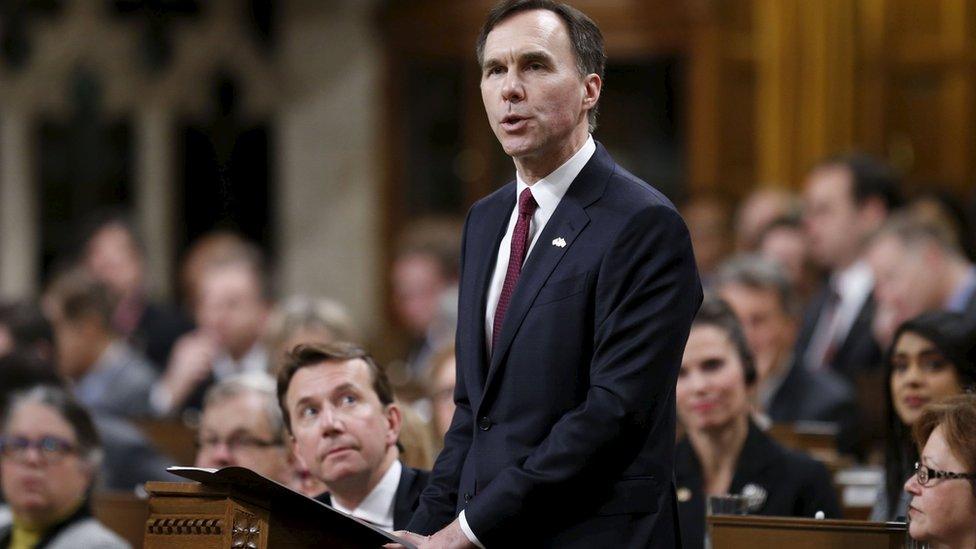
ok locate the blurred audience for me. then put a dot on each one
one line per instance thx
(932, 358)
(757, 211)
(50, 457)
(763, 300)
(710, 228)
(300, 319)
(785, 241)
(242, 426)
(417, 444)
(107, 374)
(846, 199)
(441, 378)
(943, 487)
(25, 330)
(212, 248)
(233, 301)
(723, 451)
(918, 267)
(424, 285)
(114, 254)
(344, 424)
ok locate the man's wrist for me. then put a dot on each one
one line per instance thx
(468, 533)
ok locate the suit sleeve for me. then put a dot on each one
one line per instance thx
(439, 500)
(646, 295)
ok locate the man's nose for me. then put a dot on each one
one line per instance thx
(222, 454)
(512, 89)
(330, 422)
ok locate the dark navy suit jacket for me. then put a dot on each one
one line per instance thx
(564, 436)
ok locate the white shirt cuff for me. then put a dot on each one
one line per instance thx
(467, 531)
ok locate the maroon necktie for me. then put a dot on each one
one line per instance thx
(520, 243)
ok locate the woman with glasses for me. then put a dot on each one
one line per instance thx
(943, 488)
(723, 451)
(931, 358)
(49, 454)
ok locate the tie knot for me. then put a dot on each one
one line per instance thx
(527, 203)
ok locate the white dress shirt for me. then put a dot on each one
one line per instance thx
(547, 192)
(377, 507)
(854, 285)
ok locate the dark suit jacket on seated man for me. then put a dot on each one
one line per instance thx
(574, 308)
(338, 407)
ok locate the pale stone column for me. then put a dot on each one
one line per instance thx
(19, 226)
(154, 196)
(329, 206)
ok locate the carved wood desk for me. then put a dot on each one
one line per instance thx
(750, 532)
(196, 516)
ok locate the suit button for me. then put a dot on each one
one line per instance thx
(484, 423)
(467, 497)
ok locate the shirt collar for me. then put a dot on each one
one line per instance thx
(856, 280)
(549, 190)
(377, 507)
(962, 294)
(256, 360)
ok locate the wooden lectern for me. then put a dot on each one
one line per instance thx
(247, 511)
(751, 531)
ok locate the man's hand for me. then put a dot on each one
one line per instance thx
(190, 364)
(451, 537)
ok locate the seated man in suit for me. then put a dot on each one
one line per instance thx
(338, 407)
(242, 426)
(764, 301)
(919, 267)
(108, 375)
(233, 301)
(762, 297)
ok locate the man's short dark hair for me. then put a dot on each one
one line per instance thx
(313, 354)
(584, 36)
(871, 177)
(79, 296)
(717, 313)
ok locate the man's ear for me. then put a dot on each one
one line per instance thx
(592, 86)
(394, 419)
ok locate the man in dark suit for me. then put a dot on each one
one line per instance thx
(577, 289)
(846, 199)
(920, 267)
(338, 408)
(764, 300)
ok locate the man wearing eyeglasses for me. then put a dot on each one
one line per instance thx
(241, 425)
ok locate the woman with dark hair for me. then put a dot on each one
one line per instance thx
(49, 455)
(932, 357)
(723, 451)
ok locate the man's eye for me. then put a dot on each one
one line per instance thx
(495, 70)
(535, 66)
(347, 400)
(308, 411)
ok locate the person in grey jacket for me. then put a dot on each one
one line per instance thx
(50, 453)
(108, 375)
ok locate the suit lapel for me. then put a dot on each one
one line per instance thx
(402, 510)
(567, 222)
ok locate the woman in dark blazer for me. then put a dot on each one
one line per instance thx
(723, 451)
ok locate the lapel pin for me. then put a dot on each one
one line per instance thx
(559, 242)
